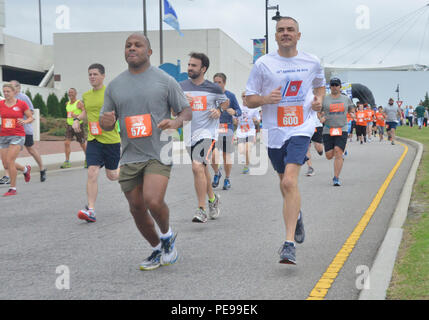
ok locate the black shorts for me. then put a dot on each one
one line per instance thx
(29, 141)
(202, 151)
(360, 130)
(317, 136)
(103, 155)
(331, 142)
(225, 143)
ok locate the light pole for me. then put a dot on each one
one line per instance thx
(277, 17)
(144, 18)
(40, 21)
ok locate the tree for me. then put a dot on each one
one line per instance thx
(53, 106)
(63, 103)
(426, 101)
(29, 95)
(38, 103)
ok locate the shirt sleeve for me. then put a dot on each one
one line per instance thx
(254, 83)
(319, 79)
(176, 97)
(234, 104)
(109, 104)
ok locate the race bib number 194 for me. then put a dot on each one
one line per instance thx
(139, 126)
(290, 116)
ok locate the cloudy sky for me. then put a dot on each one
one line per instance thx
(393, 32)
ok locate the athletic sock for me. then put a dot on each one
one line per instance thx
(212, 200)
(290, 242)
(166, 235)
(158, 247)
(25, 170)
(12, 188)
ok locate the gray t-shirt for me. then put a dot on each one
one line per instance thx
(335, 110)
(392, 113)
(206, 96)
(23, 97)
(141, 102)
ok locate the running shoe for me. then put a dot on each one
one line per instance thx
(27, 175)
(200, 216)
(216, 179)
(299, 230)
(169, 253)
(11, 192)
(214, 208)
(226, 184)
(66, 165)
(287, 253)
(310, 172)
(152, 262)
(336, 182)
(246, 170)
(393, 143)
(5, 180)
(43, 175)
(87, 215)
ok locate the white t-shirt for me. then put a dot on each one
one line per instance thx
(246, 126)
(297, 77)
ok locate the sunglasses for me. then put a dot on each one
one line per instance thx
(335, 85)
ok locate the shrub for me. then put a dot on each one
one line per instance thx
(63, 103)
(38, 103)
(53, 106)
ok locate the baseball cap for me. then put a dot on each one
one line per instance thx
(335, 81)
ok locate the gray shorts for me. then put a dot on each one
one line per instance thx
(380, 129)
(8, 140)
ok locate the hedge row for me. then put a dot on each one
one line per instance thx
(53, 107)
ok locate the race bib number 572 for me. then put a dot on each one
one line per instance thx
(290, 116)
(139, 126)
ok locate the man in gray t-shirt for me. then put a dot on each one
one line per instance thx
(392, 113)
(141, 99)
(334, 110)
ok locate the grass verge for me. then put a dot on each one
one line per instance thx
(410, 279)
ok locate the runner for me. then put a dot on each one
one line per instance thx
(29, 140)
(317, 141)
(246, 131)
(369, 121)
(335, 107)
(12, 134)
(380, 116)
(351, 121)
(392, 114)
(74, 108)
(143, 114)
(205, 96)
(225, 142)
(283, 83)
(103, 148)
(361, 123)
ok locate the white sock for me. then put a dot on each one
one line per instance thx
(12, 189)
(158, 247)
(167, 235)
(25, 170)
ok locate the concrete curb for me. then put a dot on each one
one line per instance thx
(382, 269)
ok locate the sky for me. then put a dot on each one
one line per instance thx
(352, 32)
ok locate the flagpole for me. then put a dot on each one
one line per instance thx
(40, 21)
(161, 55)
(144, 18)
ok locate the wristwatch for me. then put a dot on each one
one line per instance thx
(76, 119)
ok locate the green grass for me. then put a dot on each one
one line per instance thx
(410, 280)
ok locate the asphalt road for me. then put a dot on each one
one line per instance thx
(234, 257)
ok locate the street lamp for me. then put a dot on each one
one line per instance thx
(277, 17)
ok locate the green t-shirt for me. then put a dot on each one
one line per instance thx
(93, 101)
(420, 110)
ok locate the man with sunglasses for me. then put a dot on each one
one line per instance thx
(334, 110)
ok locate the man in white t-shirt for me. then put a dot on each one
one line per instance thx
(290, 86)
(246, 131)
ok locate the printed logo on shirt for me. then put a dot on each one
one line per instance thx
(16, 109)
(292, 88)
(336, 107)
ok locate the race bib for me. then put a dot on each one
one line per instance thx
(8, 123)
(290, 116)
(94, 128)
(139, 126)
(199, 103)
(223, 128)
(335, 132)
(69, 114)
(245, 128)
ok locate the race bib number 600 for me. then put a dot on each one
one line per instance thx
(290, 116)
(139, 126)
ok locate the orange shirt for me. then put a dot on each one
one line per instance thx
(369, 115)
(380, 119)
(349, 117)
(361, 118)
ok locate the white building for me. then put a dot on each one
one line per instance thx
(74, 52)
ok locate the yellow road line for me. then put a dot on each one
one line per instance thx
(321, 288)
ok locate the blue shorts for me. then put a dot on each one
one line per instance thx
(391, 125)
(293, 151)
(100, 154)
